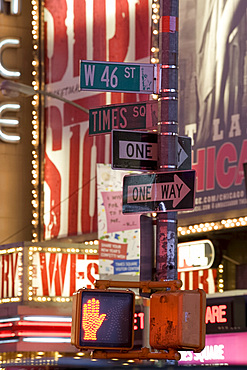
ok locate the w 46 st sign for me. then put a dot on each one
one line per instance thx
(159, 192)
(109, 76)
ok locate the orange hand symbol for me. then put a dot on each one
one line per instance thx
(91, 320)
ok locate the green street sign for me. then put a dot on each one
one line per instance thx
(120, 77)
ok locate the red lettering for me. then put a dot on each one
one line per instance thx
(53, 180)
(142, 30)
(56, 49)
(210, 170)
(74, 180)
(119, 44)
(199, 167)
(222, 312)
(44, 275)
(215, 314)
(242, 159)
(56, 271)
(226, 174)
(141, 316)
(72, 274)
(99, 30)
(208, 315)
(60, 271)
(90, 277)
(93, 152)
(80, 43)
(13, 262)
(56, 126)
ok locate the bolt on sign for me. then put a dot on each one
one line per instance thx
(103, 319)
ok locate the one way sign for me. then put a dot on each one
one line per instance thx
(138, 150)
(159, 192)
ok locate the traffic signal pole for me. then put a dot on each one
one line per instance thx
(166, 240)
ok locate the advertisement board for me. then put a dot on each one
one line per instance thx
(61, 274)
(220, 349)
(212, 104)
(83, 30)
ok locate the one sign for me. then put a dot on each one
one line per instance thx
(140, 115)
(198, 255)
(135, 150)
(121, 77)
(159, 192)
(103, 319)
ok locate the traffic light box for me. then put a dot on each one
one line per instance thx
(103, 319)
(177, 320)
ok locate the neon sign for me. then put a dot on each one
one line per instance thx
(216, 314)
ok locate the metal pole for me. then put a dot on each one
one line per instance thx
(166, 243)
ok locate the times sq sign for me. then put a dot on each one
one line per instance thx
(10, 8)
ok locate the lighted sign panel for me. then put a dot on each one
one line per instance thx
(106, 319)
(198, 255)
(211, 112)
(60, 274)
(11, 271)
(226, 314)
(221, 349)
(123, 35)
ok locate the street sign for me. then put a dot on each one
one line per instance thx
(159, 192)
(121, 77)
(135, 150)
(139, 115)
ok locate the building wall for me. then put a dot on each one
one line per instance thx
(15, 157)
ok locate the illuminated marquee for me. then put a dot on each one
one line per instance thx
(56, 273)
(52, 274)
(11, 268)
(196, 255)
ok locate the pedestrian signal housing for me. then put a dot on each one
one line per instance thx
(103, 319)
(177, 320)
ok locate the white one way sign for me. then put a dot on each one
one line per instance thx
(137, 150)
(159, 192)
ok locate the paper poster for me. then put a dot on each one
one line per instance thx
(119, 235)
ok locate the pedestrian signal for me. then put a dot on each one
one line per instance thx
(103, 319)
(177, 320)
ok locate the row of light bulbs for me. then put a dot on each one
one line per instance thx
(211, 226)
(35, 120)
(155, 32)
